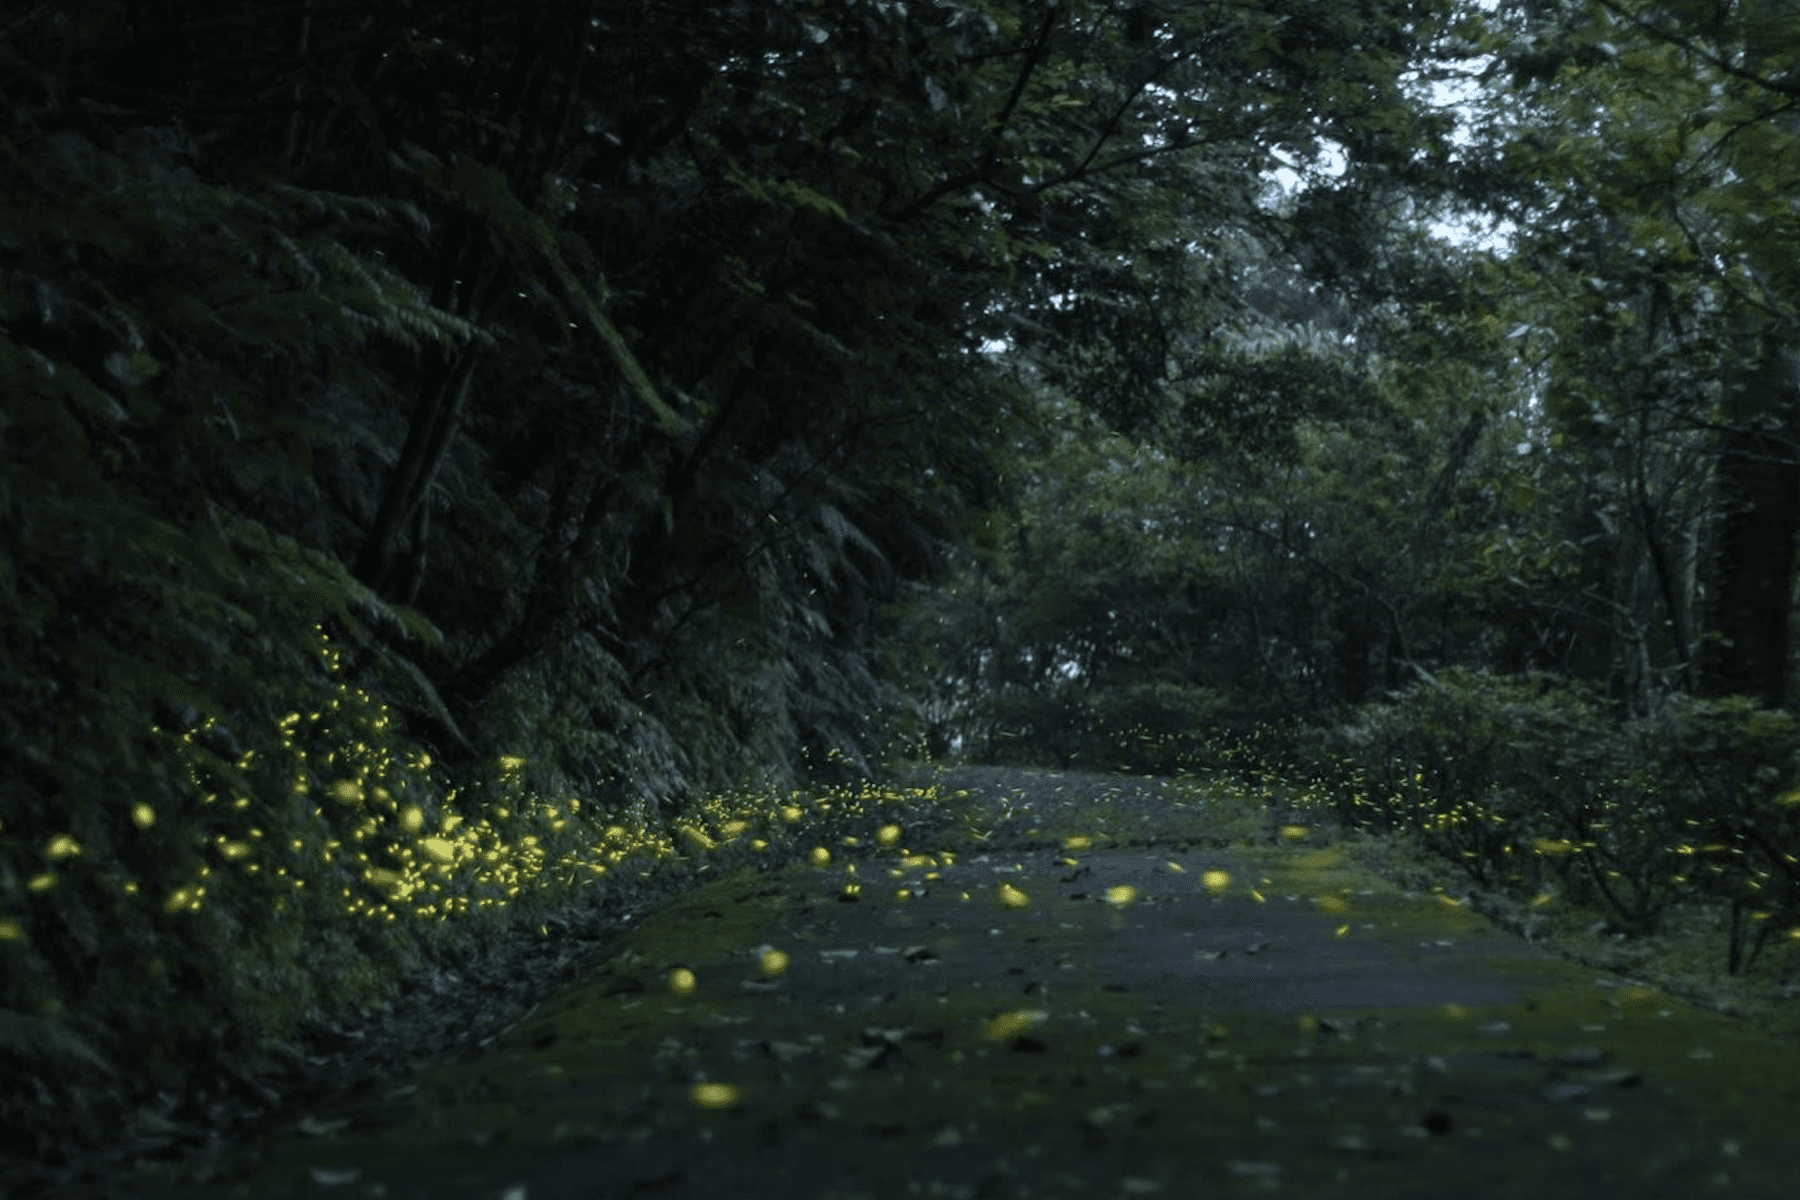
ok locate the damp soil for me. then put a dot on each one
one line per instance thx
(1186, 1003)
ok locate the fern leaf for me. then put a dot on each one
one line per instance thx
(484, 190)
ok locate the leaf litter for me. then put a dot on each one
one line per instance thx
(1184, 1009)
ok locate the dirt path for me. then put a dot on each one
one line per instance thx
(1035, 1019)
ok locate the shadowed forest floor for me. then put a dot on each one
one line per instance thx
(1183, 1000)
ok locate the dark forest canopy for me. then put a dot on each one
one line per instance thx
(657, 396)
(617, 369)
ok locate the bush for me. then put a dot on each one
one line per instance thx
(1733, 770)
(1157, 728)
(1495, 775)
(1151, 729)
(1027, 727)
(1521, 782)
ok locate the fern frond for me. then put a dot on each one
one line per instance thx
(483, 190)
(841, 530)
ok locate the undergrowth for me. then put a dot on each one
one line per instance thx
(143, 943)
(1531, 787)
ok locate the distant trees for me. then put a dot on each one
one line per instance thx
(1663, 142)
(1373, 455)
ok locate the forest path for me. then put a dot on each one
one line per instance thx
(1091, 1021)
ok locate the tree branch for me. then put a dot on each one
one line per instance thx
(1780, 87)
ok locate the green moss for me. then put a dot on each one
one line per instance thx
(1618, 1079)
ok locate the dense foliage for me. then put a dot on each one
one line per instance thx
(1510, 515)
(1531, 785)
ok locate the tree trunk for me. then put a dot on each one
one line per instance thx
(432, 424)
(1354, 643)
(1753, 566)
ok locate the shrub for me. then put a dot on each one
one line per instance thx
(1521, 782)
(1504, 777)
(1156, 728)
(1152, 728)
(1731, 772)
(1028, 727)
